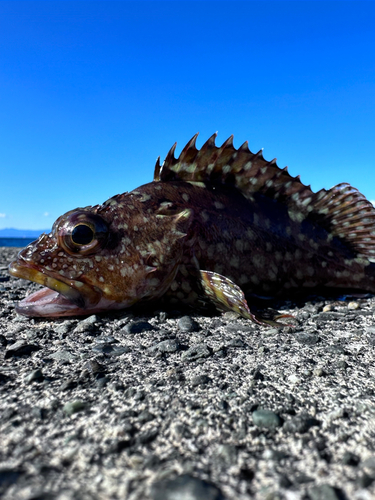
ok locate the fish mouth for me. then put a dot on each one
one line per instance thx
(60, 297)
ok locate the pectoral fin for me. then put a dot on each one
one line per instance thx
(228, 296)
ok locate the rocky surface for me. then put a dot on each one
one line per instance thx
(168, 407)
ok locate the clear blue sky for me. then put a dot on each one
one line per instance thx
(92, 92)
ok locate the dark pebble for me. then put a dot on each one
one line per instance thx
(94, 367)
(169, 345)
(365, 481)
(336, 349)
(148, 437)
(20, 348)
(137, 327)
(323, 492)
(330, 315)
(350, 458)
(118, 445)
(9, 476)
(4, 378)
(86, 325)
(307, 338)
(185, 487)
(34, 376)
(200, 380)
(236, 342)
(239, 327)
(145, 416)
(300, 424)
(266, 419)
(102, 382)
(74, 407)
(187, 324)
(196, 352)
(285, 482)
(68, 384)
(303, 478)
(110, 350)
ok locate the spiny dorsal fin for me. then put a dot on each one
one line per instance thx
(248, 172)
(342, 210)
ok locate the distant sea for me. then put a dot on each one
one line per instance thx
(15, 242)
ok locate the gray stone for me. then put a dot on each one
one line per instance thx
(137, 327)
(35, 375)
(307, 338)
(63, 355)
(169, 345)
(195, 352)
(187, 324)
(200, 380)
(20, 348)
(323, 492)
(266, 419)
(300, 423)
(185, 487)
(74, 407)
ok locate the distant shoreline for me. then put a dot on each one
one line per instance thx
(16, 242)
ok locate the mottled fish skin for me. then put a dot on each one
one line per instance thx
(216, 224)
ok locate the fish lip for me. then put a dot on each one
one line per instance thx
(83, 298)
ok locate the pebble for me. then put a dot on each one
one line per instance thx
(145, 416)
(200, 380)
(185, 487)
(187, 324)
(300, 423)
(169, 345)
(236, 342)
(239, 327)
(86, 325)
(350, 458)
(137, 327)
(20, 348)
(324, 492)
(195, 352)
(63, 355)
(35, 375)
(266, 418)
(102, 382)
(64, 328)
(74, 407)
(111, 350)
(227, 453)
(307, 338)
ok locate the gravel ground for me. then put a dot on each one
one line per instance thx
(164, 406)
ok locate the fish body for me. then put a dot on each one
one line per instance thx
(217, 225)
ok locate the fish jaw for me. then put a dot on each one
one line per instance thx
(59, 297)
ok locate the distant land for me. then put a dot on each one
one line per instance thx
(21, 233)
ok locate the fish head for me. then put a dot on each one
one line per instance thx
(100, 258)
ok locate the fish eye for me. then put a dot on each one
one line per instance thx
(82, 233)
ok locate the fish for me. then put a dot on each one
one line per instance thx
(217, 226)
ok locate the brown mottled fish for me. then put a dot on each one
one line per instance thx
(217, 224)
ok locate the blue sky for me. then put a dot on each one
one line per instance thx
(91, 92)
